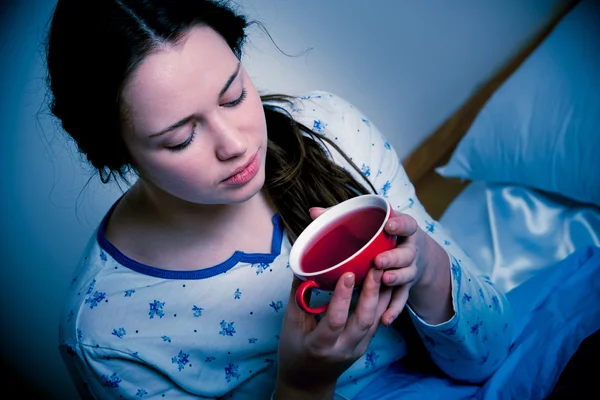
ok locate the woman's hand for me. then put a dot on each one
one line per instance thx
(419, 271)
(313, 355)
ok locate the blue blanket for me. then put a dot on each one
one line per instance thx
(553, 313)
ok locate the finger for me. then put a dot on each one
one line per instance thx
(315, 212)
(296, 316)
(295, 283)
(400, 276)
(397, 304)
(334, 321)
(401, 225)
(402, 256)
(365, 314)
(385, 296)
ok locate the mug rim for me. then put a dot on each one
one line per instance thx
(334, 213)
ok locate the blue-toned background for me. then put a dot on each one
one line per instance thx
(408, 65)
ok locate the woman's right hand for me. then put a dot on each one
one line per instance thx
(313, 355)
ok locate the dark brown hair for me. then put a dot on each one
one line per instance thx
(86, 81)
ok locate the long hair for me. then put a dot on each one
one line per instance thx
(94, 46)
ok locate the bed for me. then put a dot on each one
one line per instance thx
(513, 176)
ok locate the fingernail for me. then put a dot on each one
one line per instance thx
(390, 279)
(383, 261)
(392, 225)
(349, 280)
(390, 320)
(377, 275)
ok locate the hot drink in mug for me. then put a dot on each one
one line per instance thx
(345, 238)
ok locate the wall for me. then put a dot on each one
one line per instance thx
(408, 65)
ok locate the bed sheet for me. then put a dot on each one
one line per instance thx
(512, 233)
(553, 313)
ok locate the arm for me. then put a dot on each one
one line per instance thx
(473, 338)
(102, 373)
(461, 317)
(431, 296)
(463, 320)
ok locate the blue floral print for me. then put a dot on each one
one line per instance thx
(371, 359)
(96, 299)
(260, 267)
(181, 360)
(156, 309)
(319, 126)
(227, 328)
(276, 305)
(91, 287)
(386, 188)
(120, 333)
(111, 381)
(366, 170)
(231, 371)
(197, 311)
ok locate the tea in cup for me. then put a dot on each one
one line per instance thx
(345, 238)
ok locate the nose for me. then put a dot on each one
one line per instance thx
(229, 141)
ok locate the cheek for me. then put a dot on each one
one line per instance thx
(255, 116)
(177, 170)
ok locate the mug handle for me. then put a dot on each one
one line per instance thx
(300, 297)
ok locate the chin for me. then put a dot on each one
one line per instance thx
(242, 194)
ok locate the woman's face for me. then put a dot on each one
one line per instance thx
(195, 126)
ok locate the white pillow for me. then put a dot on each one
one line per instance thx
(541, 128)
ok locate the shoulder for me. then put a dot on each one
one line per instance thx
(99, 293)
(328, 114)
(318, 104)
(340, 120)
(313, 105)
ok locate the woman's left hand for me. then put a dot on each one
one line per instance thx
(408, 271)
(404, 265)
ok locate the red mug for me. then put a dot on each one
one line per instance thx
(345, 238)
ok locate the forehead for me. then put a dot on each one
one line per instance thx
(189, 72)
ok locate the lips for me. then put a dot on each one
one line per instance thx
(244, 173)
(242, 168)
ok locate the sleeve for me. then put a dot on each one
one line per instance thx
(108, 374)
(473, 343)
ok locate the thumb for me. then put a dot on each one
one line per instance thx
(315, 212)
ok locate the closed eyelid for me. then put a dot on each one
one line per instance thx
(175, 126)
(237, 89)
(231, 79)
(187, 119)
(237, 100)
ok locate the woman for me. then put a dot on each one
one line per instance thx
(183, 291)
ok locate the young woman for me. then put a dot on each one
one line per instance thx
(184, 289)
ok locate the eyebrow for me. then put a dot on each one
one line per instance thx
(190, 117)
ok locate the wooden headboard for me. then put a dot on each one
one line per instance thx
(434, 191)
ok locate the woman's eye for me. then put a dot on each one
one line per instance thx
(236, 101)
(183, 145)
(188, 141)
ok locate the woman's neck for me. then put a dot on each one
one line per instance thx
(173, 234)
(182, 217)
